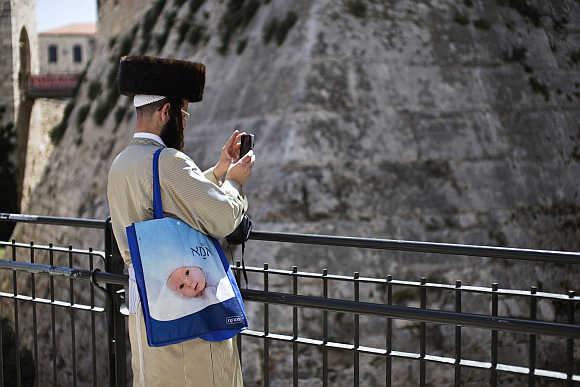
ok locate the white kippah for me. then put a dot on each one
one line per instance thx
(144, 99)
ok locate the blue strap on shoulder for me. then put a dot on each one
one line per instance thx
(157, 205)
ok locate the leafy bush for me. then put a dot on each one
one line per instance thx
(269, 30)
(237, 16)
(82, 114)
(196, 34)
(94, 89)
(182, 31)
(151, 16)
(284, 27)
(194, 5)
(119, 114)
(241, 46)
(279, 29)
(105, 106)
(57, 132)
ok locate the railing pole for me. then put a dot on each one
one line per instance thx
(295, 329)
(115, 320)
(52, 317)
(356, 331)
(389, 332)
(532, 341)
(423, 329)
(324, 330)
(457, 335)
(266, 370)
(570, 341)
(493, 370)
(16, 325)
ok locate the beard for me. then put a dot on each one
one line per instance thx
(172, 131)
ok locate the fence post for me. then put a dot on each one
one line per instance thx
(115, 320)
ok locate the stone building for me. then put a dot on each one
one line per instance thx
(66, 49)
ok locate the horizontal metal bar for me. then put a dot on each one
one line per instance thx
(100, 254)
(422, 247)
(407, 355)
(64, 304)
(54, 220)
(563, 257)
(416, 314)
(394, 311)
(429, 285)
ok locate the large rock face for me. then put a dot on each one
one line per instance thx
(441, 121)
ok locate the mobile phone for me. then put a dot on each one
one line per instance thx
(247, 143)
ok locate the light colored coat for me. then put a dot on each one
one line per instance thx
(198, 199)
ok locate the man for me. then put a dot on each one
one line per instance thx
(209, 201)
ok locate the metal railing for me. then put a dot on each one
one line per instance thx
(112, 277)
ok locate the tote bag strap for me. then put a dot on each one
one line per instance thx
(157, 205)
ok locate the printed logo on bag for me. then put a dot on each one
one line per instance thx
(230, 320)
(201, 251)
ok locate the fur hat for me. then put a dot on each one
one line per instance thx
(160, 76)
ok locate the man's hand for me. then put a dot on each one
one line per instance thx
(240, 171)
(229, 154)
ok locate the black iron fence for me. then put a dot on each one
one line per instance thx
(105, 281)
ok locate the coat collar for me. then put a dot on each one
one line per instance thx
(145, 141)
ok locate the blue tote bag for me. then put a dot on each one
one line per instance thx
(169, 257)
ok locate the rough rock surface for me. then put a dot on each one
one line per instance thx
(421, 120)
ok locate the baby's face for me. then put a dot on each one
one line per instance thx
(187, 281)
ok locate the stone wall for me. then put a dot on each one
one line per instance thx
(440, 121)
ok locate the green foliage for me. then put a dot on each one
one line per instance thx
(105, 106)
(9, 358)
(524, 8)
(284, 27)
(357, 8)
(182, 31)
(269, 30)
(151, 16)
(82, 114)
(161, 38)
(241, 46)
(126, 44)
(468, 3)
(460, 18)
(194, 5)
(94, 89)
(196, 34)
(238, 14)
(112, 75)
(119, 114)
(279, 29)
(57, 132)
(539, 88)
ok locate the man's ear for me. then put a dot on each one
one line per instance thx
(165, 111)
